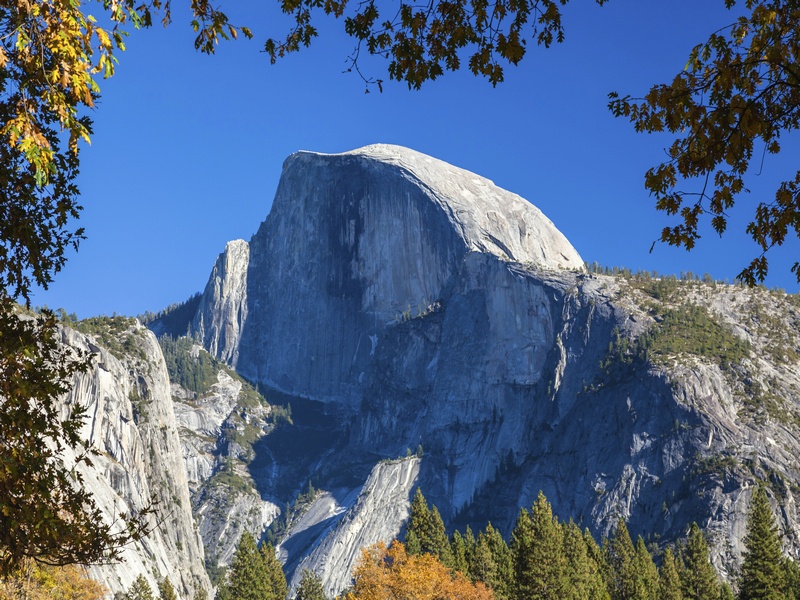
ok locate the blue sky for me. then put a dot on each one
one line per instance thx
(187, 148)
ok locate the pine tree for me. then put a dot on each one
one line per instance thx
(310, 587)
(762, 575)
(248, 579)
(469, 544)
(166, 591)
(140, 590)
(481, 565)
(792, 574)
(439, 544)
(585, 581)
(645, 572)
(223, 592)
(419, 524)
(459, 551)
(670, 580)
(726, 593)
(538, 553)
(698, 577)
(426, 532)
(598, 556)
(276, 580)
(620, 557)
(502, 578)
(200, 594)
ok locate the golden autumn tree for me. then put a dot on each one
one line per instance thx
(32, 581)
(390, 574)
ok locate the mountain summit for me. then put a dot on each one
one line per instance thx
(353, 242)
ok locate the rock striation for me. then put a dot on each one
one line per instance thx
(131, 423)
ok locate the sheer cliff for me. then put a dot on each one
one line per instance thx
(131, 423)
(399, 303)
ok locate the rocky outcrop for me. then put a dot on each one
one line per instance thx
(132, 425)
(223, 305)
(378, 513)
(225, 499)
(357, 241)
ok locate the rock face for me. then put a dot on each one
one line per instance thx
(378, 513)
(225, 500)
(132, 425)
(223, 305)
(397, 303)
(355, 241)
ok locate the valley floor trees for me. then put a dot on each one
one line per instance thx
(551, 559)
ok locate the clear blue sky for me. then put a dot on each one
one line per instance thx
(188, 148)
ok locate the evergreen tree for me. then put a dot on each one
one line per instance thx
(438, 544)
(310, 587)
(725, 592)
(426, 532)
(458, 548)
(502, 578)
(620, 557)
(762, 575)
(585, 581)
(538, 552)
(792, 574)
(413, 547)
(275, 578)
(166, 591)
(200, 594)
(670, 580)
(698, 577)
(248, 577)
(223, 592)
(645, 573)
(140, 590)
(481, 564)
(469, 543)
(419, 524)
(598, 556)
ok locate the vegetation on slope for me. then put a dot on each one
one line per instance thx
(744, 331)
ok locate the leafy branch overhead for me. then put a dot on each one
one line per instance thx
(738, 94)
(52, 51)
(423, 40)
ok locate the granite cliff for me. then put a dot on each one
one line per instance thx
(406, 323)
(132, 425)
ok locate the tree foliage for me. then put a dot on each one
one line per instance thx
(166, 591)
(33, 581)
(422, 41)
(276, 580)
(391, 574)
(738, 94)
(669, 578)
(762, 575)
(140, 590)
(248, 577)
(45, 513)
(426, 532)
(698, 577)
(310, 587)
